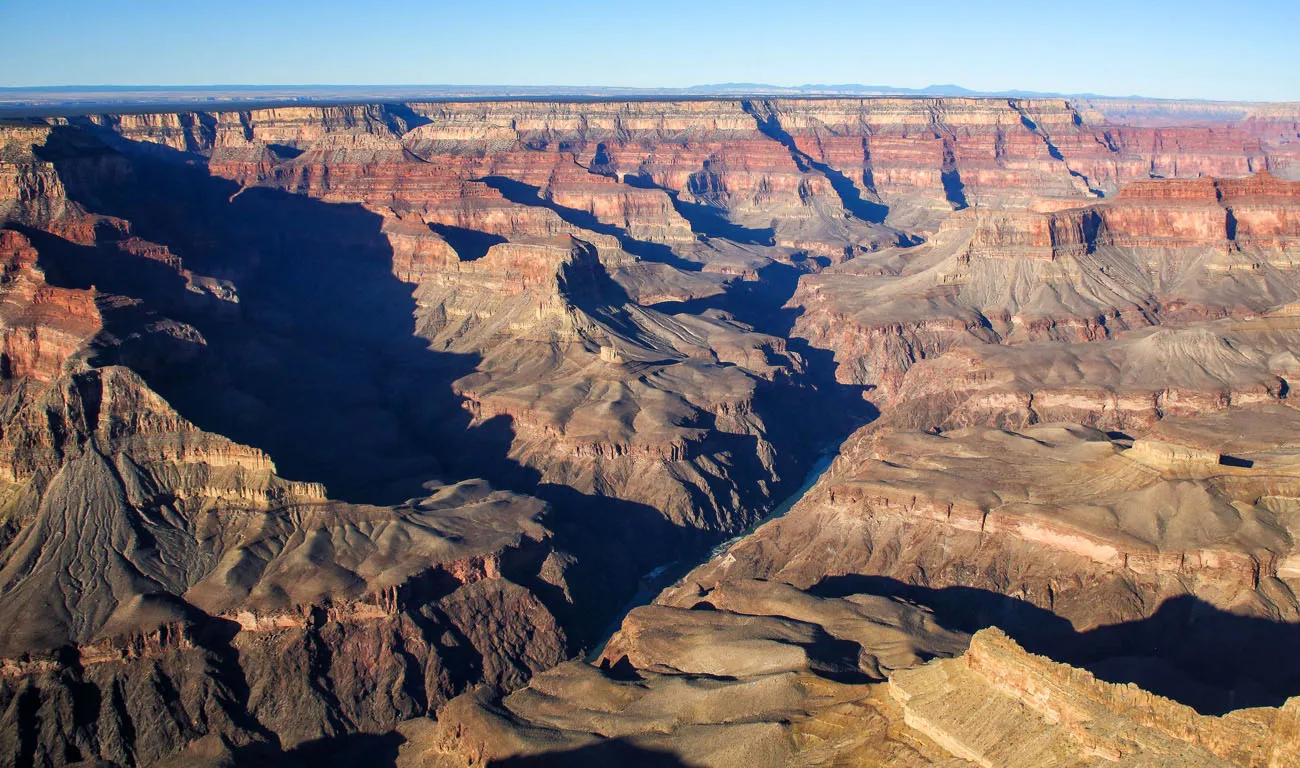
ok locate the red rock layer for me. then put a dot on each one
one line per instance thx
(43, 326)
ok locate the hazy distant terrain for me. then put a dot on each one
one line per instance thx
(79, 99)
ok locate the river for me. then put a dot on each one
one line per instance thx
(654, 582)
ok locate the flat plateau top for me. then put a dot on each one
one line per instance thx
(68, 101)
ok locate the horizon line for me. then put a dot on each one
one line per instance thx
(732, 88)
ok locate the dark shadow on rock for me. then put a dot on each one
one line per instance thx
(705, 219)
(284, 151)
(351, 750)
(611, 752)
(1187, 650)
(216, 636)
(602, 164)
(469, 244)
(836, 659)
(400, 118)
(953, 188)
(828, 410)
(525, 194)
(1053, 151)
(850, 197)
(1033, 128)
(712, 222)
(618, 541)
(621, 670)
(347, 751)
(317, 363)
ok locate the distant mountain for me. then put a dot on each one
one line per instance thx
(72, 99)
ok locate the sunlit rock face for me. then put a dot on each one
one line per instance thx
(333, 433)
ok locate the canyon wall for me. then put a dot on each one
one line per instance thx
(317, 418)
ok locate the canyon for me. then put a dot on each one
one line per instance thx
(343, 432)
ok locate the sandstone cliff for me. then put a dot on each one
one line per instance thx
(993, 705)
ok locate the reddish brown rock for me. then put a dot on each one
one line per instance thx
(44, 326)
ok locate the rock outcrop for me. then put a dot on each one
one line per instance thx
(1086, 547)
(756, 674)
(145, 556)
(163, 586)
(992, 705)
(1162, 252)
(997, 705)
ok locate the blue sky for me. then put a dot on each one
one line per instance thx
(1240, 49)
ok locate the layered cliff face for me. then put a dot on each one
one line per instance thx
(523, 255)
(1160, 253)
(316, 418)
(1034, 712)
(44, 326)
(757, 673)
(165, 589)
(1095, 549)
(606, 394)
(163, 585)
(992, 705)
(817, 178)
(817, 173)
(1128, 383)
